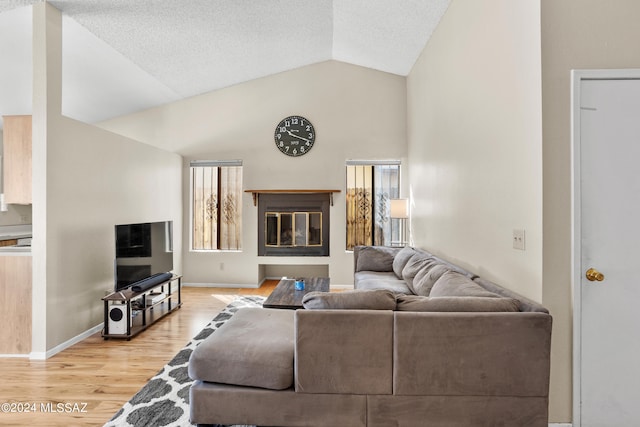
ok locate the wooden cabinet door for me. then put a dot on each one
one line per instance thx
(15, 304)
(17, 159)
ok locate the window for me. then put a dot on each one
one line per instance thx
(216, 205)
(370, 187)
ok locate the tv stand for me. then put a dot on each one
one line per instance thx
(129, 312)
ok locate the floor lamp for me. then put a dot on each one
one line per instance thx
(400, 211)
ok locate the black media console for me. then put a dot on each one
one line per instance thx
(132, 310)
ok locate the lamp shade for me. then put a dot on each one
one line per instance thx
(399, 208)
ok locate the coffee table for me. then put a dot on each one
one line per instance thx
(285, 296)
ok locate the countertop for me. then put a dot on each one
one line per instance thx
(10, 232)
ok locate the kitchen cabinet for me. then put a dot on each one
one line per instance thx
(15, 304)
(17, 159)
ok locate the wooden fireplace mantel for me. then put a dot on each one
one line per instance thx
(256, 193)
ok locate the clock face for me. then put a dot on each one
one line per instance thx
(294, 136)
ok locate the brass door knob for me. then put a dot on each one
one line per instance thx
(594, 275)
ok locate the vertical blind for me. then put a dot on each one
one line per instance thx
(216, 205)
(370, 186)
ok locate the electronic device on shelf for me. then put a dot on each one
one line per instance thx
(144, 255)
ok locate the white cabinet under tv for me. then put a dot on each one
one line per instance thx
(129, 312)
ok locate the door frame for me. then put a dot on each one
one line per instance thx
(577, 77)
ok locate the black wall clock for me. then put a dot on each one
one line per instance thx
(295, 136)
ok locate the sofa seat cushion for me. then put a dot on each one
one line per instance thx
(377, 299)
(253, 348)
(369, 280)
(452, 284)
(456, 304)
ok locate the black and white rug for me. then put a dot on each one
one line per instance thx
(164, 400)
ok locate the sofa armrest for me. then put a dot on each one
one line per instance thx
(343, 351)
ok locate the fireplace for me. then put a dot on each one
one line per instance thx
(293, 224)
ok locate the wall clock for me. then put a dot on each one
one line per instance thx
(294, 136)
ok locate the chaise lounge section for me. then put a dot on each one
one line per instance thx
(377, 357)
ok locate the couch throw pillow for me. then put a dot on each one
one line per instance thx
(378, 299)
(427, 277)
(452, 284)
(456, 304)
(401, 259)
(375, 258)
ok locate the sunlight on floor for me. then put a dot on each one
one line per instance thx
(226, 299)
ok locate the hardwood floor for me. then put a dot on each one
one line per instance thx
(94, 378)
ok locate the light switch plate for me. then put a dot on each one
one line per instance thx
(518, 239)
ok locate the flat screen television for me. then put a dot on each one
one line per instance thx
(143, 251)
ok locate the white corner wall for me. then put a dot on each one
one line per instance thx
(85, 181)
(475, 141)
(475, 146)
(358, 113)
(576, 34)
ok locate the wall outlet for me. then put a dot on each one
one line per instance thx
(24, 219)
(518, 239)
(221, 266)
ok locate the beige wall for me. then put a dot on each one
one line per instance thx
(576, 34)
(358, 113)
(475, 141)
(86, 180)
(475, 146)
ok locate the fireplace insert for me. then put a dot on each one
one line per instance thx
(293, 225)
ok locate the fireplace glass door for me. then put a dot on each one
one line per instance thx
(293, 229)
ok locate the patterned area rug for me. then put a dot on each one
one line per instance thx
(164, 400)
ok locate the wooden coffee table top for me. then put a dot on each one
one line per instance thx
(285, 296)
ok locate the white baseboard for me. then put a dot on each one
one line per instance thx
(221, 285)
(12, 356)
(560, 425)
(38, 355)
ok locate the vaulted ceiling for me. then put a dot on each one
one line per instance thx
(122, 56)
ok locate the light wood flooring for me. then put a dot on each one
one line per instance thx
(106, 374)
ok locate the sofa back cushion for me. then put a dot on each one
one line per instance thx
(416, 264)
(375, 258)
(427, 277)
(401, 259)
(453, 284)
(526, 304)
(378, 299)
(455, 304)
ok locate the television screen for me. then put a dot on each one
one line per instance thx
(142, 251)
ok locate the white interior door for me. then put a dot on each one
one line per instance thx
(607, 239)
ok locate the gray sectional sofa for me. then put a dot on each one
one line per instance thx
(434, 347)
(413, 271)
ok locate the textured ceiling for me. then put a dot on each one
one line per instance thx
(122, 56)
